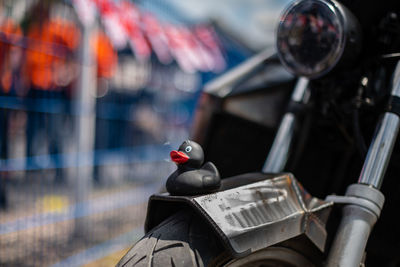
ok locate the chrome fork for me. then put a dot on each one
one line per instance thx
(279, 151)
(363, 201)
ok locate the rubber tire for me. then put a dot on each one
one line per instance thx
(184, 240)
(181, 240)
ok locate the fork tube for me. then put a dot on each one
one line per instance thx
(279, 152)
(382, 144)
(380, 151)
(357, 220)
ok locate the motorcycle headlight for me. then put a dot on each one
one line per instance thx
(313, 36)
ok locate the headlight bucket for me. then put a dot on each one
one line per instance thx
(314, 36)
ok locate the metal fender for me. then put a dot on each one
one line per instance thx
(268, 210)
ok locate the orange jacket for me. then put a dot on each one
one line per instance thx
(105, 55)
(49, 46)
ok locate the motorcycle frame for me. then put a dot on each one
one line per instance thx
(362, 202)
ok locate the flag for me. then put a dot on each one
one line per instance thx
(204, 60)
(129, 17)
(157, 37)
(112, 26)
(194, 49)
(179, 50)
(209, 39)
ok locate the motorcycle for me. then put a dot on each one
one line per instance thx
(329, 88)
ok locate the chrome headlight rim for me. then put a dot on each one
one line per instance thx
(339, 15)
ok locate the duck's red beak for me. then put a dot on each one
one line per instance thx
(178, 157)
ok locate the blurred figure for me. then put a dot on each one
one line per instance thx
(51, 72)
(106, 59)
(10, 58)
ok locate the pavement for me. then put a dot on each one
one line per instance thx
(44, 227)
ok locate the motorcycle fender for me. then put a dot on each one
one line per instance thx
(252, 216)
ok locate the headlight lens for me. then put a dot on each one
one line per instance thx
(311, 37)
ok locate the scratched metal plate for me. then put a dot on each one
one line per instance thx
(264, 213)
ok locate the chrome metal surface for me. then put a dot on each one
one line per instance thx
(222, 86)
(382, 144)
(357, 221)
(351, 238)
(396, 81)
(355, 201)
(300, 91)
(336, 49)
(265, 213)
(279, 152)
(361, 195)
(368, 193)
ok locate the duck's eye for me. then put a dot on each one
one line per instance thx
(188, 149)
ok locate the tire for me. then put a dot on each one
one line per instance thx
(185, 240)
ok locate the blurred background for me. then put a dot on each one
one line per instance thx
(93, 96)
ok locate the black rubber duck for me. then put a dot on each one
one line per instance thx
(192, 177)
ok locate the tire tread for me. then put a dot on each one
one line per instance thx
(175, 242)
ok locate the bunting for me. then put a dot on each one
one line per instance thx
(194, 48)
